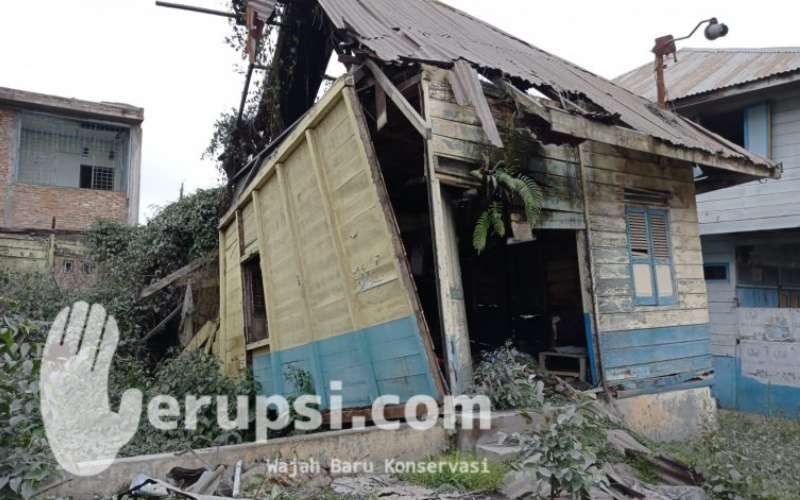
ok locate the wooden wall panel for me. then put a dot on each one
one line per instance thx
(331, 271)
(232, 341)
(458, 135)
(290, 323)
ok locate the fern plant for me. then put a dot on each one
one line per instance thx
(502, 185)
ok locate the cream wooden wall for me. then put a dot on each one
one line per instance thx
(319, 216)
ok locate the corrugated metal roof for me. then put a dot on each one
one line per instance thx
(705, 70)
(430, 31)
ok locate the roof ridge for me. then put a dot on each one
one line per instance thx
(741, 50)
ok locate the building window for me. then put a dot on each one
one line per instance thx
(748, 127)
(99, 178)
(53, 151)
(255, 305)
(715, 272)
(768, 276)
(68, 266)
(88, 268)
(650, 252)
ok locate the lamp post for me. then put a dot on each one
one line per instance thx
(665, 45)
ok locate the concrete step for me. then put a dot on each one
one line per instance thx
(506, 422)
(497, 452)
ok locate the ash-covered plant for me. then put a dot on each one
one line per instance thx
(504, 185)
(562, 457)
(509, 379)
(26, 462)
(128, 258)
(187, 374)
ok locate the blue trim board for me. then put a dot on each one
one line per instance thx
(383, 359)
(737, 392)
(656, 359)
(587, 327)
(725, 375)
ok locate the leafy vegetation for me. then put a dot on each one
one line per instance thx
(128, 258)
(509, 378)
(33, 295)
(748, 457)
(563, 457)
(25, 459)
(503, 184)
(191, 373)
(459, 471)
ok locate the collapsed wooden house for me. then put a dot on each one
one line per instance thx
(348, 253)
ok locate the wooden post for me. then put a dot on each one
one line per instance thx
(661, 87)
(586, 267)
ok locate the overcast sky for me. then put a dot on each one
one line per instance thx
(177, 66)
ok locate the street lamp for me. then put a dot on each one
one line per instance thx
(665, 45)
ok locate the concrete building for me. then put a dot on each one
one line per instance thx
(750, 232)
(64, 163)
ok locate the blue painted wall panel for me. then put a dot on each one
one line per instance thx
(660, 368)
(725, 375)
(653, 336)
(384, 359)
(655, 359)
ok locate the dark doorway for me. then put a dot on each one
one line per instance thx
(254, 301)
(528, 293)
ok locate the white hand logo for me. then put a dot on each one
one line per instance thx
(83, 432)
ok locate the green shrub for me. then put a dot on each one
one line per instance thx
(564, 454)
(32, 295)
(25, 459)
(191, 373)
(509, 379)
(128, 258)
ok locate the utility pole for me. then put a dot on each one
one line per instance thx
(665, 46)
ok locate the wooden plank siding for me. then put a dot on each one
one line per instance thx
(641, 347)
(762, 205)
(339, 303)
(458, 135)
(646, 348)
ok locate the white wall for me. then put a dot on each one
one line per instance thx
(722, 295)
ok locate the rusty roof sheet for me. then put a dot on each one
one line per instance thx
(430, 31)
(699, 71)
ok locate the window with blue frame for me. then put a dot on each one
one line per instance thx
(650, 252)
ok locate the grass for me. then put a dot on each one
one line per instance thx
(748, 457)
(459, 471)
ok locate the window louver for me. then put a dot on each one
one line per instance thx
(651, 256)
(658, 232)
(637, 229)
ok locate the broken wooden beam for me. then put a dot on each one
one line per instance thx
(468, 89)
(180, 273)
(398, 99)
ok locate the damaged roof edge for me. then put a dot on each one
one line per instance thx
(566, 122)
(426, 31)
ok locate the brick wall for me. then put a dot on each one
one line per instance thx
(73, 208)
(6, 122)
(34, 206)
